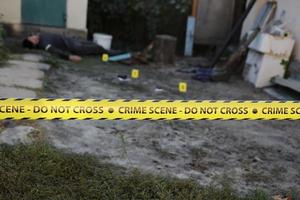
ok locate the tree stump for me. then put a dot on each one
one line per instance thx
(164, 49)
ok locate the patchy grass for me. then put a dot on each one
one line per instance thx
(41, 172)
(52, 61)
(3, 50)
(256, 175)
(3, 54)
(198, 155)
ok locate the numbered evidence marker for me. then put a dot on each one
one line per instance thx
(105, 57)
(183, 87)
(135, 73)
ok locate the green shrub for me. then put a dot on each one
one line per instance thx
(136, 22)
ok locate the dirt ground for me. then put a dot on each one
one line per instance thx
(250, 154)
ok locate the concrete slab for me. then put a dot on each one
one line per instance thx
(12, 92)
(32, 57)
(21, 72)
(17, 135)
(32, 65)
(20, 82)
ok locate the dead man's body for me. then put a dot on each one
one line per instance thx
(65, 47)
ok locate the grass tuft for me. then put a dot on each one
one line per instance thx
(3, 54)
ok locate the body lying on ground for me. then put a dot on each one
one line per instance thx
(65, 47)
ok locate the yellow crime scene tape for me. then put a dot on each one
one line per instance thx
(76, 109)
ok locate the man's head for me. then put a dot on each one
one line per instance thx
(31, 41)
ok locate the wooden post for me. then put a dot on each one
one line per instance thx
(190, 30)
(195, 8)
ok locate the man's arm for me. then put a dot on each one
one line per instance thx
(62, 54)
(75, 58)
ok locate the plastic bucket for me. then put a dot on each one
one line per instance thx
(103, 40)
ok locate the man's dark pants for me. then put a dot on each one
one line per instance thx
(79, 47)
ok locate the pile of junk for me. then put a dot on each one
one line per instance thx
(262, 56)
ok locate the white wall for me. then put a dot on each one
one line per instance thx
(11, 9)
(77, 14)
(291, 7)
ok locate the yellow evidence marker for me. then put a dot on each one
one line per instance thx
(105, 57)
(135, 73)
(183, 87)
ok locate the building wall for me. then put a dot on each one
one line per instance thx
(11, 10)
(291, 7)
(76, 13)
